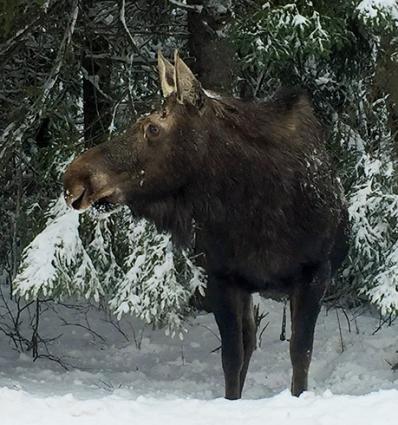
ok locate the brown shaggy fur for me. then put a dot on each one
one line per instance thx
(254, 182)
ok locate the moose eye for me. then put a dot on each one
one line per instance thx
(152, 130)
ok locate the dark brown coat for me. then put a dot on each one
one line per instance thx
(253, 181)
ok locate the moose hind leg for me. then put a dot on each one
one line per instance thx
(248, 336)
(305, 304)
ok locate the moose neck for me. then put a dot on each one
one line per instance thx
(254, 156)
(248, 166)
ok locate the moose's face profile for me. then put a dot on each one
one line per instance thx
(153, 158)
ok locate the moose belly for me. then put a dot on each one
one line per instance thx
(266, 268)
(275, 288)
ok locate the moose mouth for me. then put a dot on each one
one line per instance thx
(76, 202)
(82, 198)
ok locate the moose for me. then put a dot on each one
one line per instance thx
(252, 180)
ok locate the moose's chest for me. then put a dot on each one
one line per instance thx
(256, 265)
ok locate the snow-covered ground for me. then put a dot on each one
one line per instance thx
(112, 380)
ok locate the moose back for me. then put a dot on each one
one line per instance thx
(253, 181)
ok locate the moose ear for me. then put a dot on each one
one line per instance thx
(188, 87)
(166, 74)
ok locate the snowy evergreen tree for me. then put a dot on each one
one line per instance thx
(158, 282)
(80, 93)
(115, 257)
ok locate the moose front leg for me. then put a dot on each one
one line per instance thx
(227, 309)
(305, 304)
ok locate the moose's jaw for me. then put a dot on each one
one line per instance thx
(80, 198)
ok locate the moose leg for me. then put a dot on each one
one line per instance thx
(227, 310)
(248, 335)
(305, 304)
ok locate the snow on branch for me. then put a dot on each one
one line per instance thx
(55, 262)
(194, 7)
(371, 7)
(379, 11)
(158, 282)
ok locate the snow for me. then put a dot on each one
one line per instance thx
(378, 408)
(299, 20)
(211, 94)
(371, 8)
(156, 378)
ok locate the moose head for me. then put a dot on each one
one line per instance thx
(153, 159)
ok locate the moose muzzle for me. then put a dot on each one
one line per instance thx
(87, 181)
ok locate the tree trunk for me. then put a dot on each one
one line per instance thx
(213, 53)
(97, 74)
